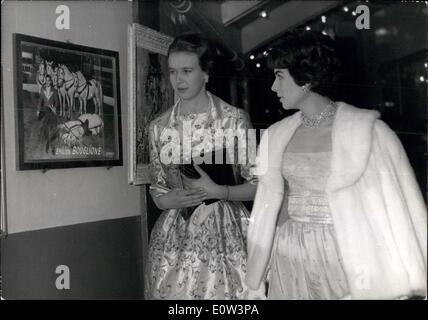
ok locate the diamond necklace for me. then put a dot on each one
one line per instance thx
(315, 120)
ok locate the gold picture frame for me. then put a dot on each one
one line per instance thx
(3, 225)
(149, 93)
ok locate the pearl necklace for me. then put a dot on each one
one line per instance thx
(314, 121)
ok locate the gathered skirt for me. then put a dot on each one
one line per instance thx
(306, 263)
(203, 257)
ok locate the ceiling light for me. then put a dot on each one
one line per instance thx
(252, 57)
(354, 13)
(323, 19)
(381, 32)
(426, 65)
(346, 9)
(258, 65)
(265, 53)
(324, 32)
(263, 14)
(308, 28)
(421, 79)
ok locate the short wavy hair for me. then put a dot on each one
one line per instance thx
(310, 57)
(196, 43)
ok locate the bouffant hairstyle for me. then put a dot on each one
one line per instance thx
(195, 43)
(310, 57)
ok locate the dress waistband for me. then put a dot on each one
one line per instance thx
(312, 219)
(309, 209)
(309, 205)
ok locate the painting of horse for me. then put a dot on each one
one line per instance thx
(75, 132)
(74, 85)
(82, 104)
(87, 90)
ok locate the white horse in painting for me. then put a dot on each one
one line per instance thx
(52, 73)
(74, 85)
(67, 82)
(62, 92)
(87, 90)
(71, 133)
(95, 123)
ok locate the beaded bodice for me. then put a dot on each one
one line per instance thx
(306, 175)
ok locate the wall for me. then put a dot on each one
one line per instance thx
(60, 197)
(40, 205)
(104, 259)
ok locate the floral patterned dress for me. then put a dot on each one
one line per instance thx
(203, 257)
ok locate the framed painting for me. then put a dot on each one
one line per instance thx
(3, 230)
(150, 93)
(67, 105)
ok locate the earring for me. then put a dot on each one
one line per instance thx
(306, 87)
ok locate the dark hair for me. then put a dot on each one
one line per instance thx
(309, 56)
(195, 43)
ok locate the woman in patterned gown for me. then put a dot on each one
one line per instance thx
(339, 213)
(203, 256)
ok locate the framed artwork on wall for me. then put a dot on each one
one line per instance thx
(67, 105)
(150, 93)
(3, 229)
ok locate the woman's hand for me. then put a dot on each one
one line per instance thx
(181, 198)
(213, 190)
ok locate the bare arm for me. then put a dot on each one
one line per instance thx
(178, 198)
(241, 192)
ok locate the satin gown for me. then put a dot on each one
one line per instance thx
(205, 256)
(306, 262)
